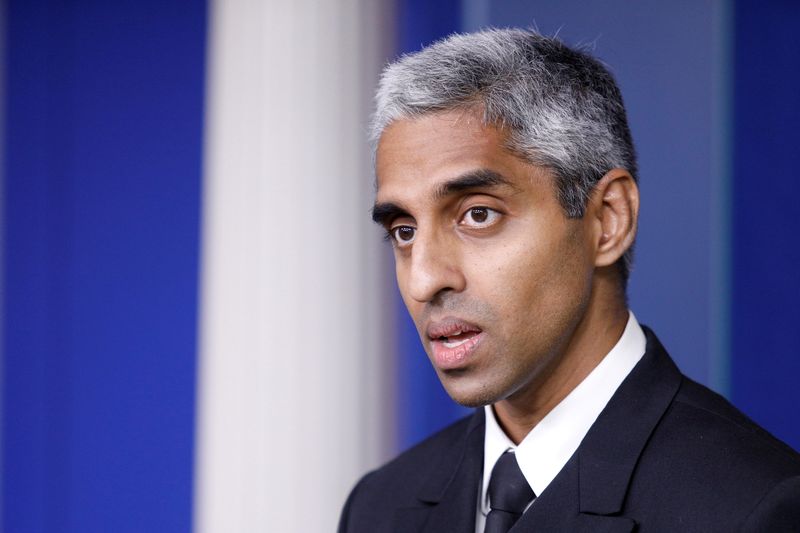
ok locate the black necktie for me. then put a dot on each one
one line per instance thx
(509, 494)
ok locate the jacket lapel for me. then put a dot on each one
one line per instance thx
(611, 449)
(589, 492)
(448, 500)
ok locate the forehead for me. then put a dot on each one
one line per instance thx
(423, 151)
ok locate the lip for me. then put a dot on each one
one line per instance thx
(449, 326)
(453, 353)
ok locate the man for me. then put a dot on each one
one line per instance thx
(507, 185)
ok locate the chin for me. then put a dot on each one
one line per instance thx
(470, 400)
(469, 394)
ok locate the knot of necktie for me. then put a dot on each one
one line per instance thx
(509, 494)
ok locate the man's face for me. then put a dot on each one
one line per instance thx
(494, 275)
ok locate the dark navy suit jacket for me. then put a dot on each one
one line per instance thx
(666, 454)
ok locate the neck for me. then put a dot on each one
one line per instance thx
(595, 334)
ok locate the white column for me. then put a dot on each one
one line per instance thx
(293, 387)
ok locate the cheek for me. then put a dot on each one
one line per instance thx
(400, 276)
(535, 278)
(513, 267)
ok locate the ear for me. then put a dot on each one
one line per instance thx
(613, 213)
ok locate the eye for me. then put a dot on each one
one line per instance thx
(479, 217)
(403, 235)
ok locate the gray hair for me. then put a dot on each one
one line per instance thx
(561, 107)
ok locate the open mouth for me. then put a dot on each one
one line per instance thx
(453, 340)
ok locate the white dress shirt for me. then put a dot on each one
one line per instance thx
(549, 445)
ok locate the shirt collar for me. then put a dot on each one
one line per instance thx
(549, 445)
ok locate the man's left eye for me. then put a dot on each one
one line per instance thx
(479, 217)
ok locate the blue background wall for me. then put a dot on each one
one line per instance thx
(765, 311)
(101, 211)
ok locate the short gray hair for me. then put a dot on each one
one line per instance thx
(561, 107)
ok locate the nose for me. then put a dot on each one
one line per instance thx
(434, 268)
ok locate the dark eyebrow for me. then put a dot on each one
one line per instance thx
(474, 179)
(383, 213)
